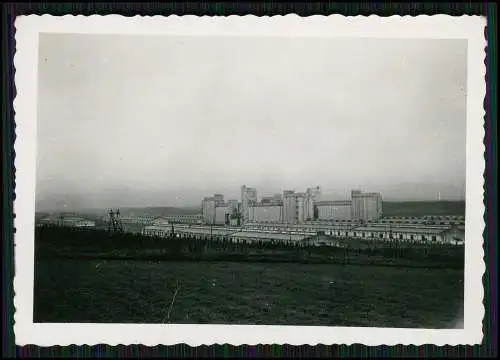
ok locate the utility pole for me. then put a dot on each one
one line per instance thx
(115, 223)
(118, 221)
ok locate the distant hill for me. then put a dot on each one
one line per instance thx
(159, 211)
(40, 215)
(421, 208)
(130, 211)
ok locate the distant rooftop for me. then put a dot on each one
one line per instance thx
(412, 230)
(333, 203)
(271, 236)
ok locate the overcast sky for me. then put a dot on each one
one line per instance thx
(166, 120)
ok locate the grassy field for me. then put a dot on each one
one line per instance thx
(132, 291)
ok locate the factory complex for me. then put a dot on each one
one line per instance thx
(305, 217)
(291, 217)
(290, 207)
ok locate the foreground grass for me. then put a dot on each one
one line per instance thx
(131, 291)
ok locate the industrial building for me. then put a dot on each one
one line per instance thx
(233, 204)
(302, 207)
(213, 209)
(366, 206)
(268, 209)
(289, 207)
(222, 214)
(217, 212)
(298, 208)
(275, 199)
(292, 207)
(267, 212)
(248, 198)
(333, 210)
(219, 199)
(312, 195)
(208, 210)
(69, 221)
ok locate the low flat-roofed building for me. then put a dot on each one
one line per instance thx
(444, 219)
(330, 222)
(428, 220)
(69, 221)
(83, 223)
(157, 230)
(184, 219)
(50, 220)
(298, 228)
(402, 220)
(205, 231)
(255, 236)
(144, 220)
(411, 233)
(161, 222)
(424, 234)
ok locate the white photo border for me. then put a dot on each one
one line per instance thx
(28, 29)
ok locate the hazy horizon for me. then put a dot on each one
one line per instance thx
(131, 121)
(69, 209)
(64, 205)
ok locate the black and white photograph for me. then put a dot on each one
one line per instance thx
(291, 181)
